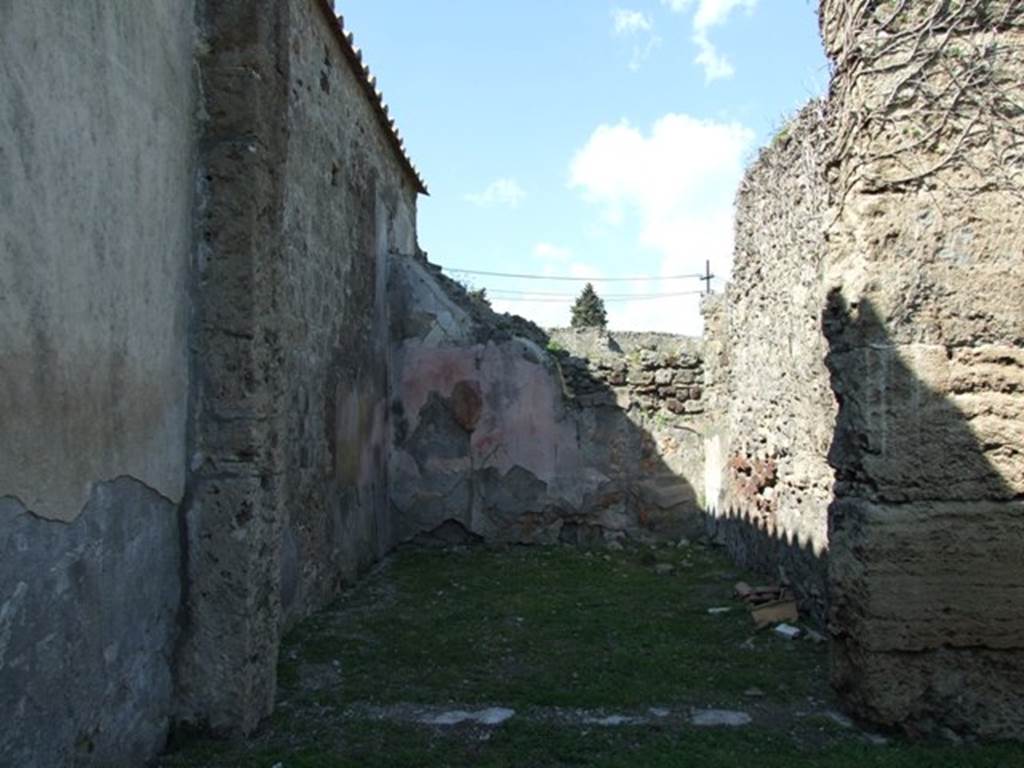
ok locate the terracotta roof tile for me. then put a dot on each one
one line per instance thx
(369, 82)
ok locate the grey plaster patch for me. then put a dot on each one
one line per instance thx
(8, 610)
(88, 622)
(437, 435)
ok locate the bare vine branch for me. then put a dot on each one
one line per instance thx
(924, 89)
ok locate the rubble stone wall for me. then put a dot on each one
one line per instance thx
(878, 256)
(772, 412)
(349, 204)
(305, 199)
(499, 429)
(654, 384)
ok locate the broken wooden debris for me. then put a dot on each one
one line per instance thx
(775, 612)
(768, 605)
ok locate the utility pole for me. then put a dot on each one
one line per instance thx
(708, 277)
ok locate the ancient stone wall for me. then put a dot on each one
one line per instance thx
(651, 373)
(194, 336)
(232, 516)
(96, 191)
(880, 235)
(514, 443)
(231, 380)
(772, 410)
(926, 328)
(649, 386)
(305, 199)
(349, 204)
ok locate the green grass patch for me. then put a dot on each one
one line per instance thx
(555, 627)
(534, 629)
(372, 744)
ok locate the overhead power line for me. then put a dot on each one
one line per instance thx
(509, 293)
(635, 279)
(638, 297)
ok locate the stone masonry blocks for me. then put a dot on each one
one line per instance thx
(227, 661)
(925, 328)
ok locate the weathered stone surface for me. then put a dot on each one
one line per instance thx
(226, 665)
(514, 444)
(718, 718)
(898, 263)
(88, 624)
(959, 424)
(349, 201)
(97, 177)
(768, 388)
(963, 690)
(925, 326)
(96, 188)
(304, 198)
(467, 404)
(893, 597)
(926, 530)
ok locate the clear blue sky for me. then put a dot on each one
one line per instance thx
(587, 137)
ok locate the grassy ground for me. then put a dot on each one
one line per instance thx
(564, 638)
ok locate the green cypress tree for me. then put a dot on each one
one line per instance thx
(588, 311)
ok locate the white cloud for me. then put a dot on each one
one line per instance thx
(677, 184)
(710, 14)
(628, 22)
(636, 24)
(504, 191)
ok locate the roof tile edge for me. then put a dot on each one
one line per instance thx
(369, 84)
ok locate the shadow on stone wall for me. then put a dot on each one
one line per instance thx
(754, 542)
(926, 533)
(658, 500)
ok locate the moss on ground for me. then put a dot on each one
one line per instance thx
(553, 630)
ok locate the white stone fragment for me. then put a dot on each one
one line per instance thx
(788, 631)
(710, 718)
(490, 716)
(610, 720)
(494, 715)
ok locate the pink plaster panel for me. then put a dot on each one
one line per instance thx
(522, 423)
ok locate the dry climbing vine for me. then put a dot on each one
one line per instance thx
(928, 93)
